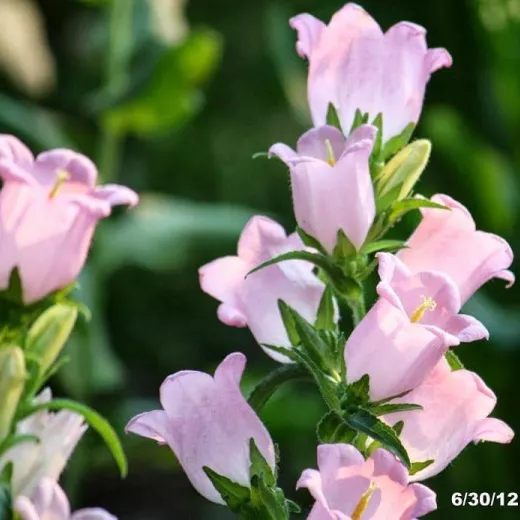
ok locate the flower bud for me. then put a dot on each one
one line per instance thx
(12, 380)
(49, 333)
(404, 169)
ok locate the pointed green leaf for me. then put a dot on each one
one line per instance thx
(385, 409)
(398, 427)
(358, 392)
(378, 123)
(96, 421)
(401, 207)
(419, 466)
(332, 429)
(326, 311)
(259, 466)
(359, 119)
(233, 494)
(453, 360)
(268, 504)
(332, 116)
(365, 422)
(289, 323)
(383, 245)
(6, 505)
(310, 241)
(344, 248)
(292, 506)
(394, 144)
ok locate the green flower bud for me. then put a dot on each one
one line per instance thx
(49, 333)
(400, 174)
(12, 381)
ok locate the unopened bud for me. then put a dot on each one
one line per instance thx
(47, 337)
(12, 381)
(404, 169)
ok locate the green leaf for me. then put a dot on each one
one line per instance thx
(333, 272)
(332, 429)
(6, 505)
(259, 466)
(453, 360)
(333, 117)
(394, 144)
(401, 207)
(419, 466)
(96, 421)
(268, 504)
(383, 245)
(385, 409)
(326, 311)
(179, 75)
(378, 123)
(233, 494)
(292, 506)
(358, 392)
(310, 241)
(398, 427)
(365, 422)
(289, 323)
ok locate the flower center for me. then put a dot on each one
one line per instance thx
(360, 509)
(428, 304)
(63, 176)
(330, 152)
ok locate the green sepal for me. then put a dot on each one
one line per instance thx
(365, 422)
(292, 506)
(401, 207)
(268, 503)
(394, 144)
(383, 245)
(357, 393)
(453, 360)
(289, 323)
(419, 466)
(332, 429)
(234, 495)
(259, 466)
(332, 271)
(378, 123)
(6, 502)
(333, 117)
(360, 118)
(385, 409)
(326, 311)
(398, 428)
(344, 248)
(96, 421)
(310, 241)
(258, 155)
(14, 292)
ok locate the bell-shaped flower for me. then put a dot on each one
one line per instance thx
(58, 434)
(207, 423)
(252, 300)
(456, 406)
(49, 207)
(448, 241)
(348, 487)
(331, 184)
(429, 297)
(49, 502)
(355, 66)
(393, 348)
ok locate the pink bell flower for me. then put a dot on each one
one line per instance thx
(252, 301)
(207, 422)
(448, 242)
(49, 502)
(428, 297)
(49, 207)
(354, 65)
(331, 184)
(456, 406)
(348, 487)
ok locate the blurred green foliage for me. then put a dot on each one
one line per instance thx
(179, 121)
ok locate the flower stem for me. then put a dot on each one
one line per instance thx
(358, 308)
(268, 386)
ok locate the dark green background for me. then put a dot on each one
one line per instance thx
(238, 88)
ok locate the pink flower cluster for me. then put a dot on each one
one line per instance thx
(400, 343)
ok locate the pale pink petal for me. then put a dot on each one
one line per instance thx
(209, 423)
(283, 152)
(13, 150)
(437, 59)
(309, 30)
(396, 354)
(92, 514)
(25, 508)
(455, 404)
(313, 143)
(152, 425)
(426, 501)
(231, 316)
(466, 328)
(116, 195)
(447, 241)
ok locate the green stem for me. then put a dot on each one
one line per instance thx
(268, 386)
(118, 55)
(358, 308)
